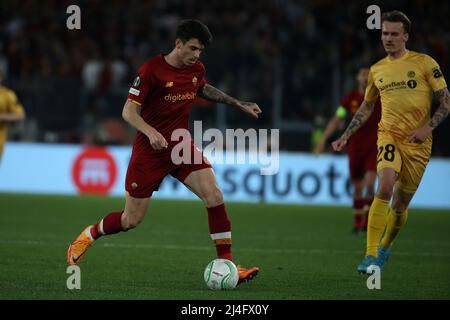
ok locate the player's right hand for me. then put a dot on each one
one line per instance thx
(157, 141)
(339, 144)
(250, 107)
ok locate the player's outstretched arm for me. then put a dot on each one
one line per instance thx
(211, 93)
(419, 135)
(360, 117)
(130, 114)
(331, 128)
(12, 117)
(444, 108)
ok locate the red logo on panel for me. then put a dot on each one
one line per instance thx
(94, 171)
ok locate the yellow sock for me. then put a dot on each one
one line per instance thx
(377, 223)
(395, 222)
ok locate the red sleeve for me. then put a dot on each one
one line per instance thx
(345, 102)
(141, 86)
(202, 81)
(201, 102)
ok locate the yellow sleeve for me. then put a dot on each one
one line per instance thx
(371, 90)
(14, 104)
(433, 74)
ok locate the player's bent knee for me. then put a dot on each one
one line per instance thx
(384, 191)
(213, 198)
(384, 195)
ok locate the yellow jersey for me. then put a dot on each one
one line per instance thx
(405, 86)
(8, 104)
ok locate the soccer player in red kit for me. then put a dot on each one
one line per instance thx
(362, 150)
(159, 103)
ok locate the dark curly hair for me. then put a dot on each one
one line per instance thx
(188, 29)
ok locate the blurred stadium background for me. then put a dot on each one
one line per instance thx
(296, 59)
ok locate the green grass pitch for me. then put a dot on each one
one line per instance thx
(303, 252)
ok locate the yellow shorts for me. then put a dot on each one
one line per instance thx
(409, 160)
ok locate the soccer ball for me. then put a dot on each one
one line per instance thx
(221, 274)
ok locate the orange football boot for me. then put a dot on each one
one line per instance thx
(79, 247)
(246, 274)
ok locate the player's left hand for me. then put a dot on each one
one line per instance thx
(250, 107)
(420, 135)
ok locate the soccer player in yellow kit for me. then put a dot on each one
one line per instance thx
(405, 81)
(10, 111)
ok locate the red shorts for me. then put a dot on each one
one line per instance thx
(146, 172)
(361, 161)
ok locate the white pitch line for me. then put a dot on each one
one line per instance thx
(291, 237)
(208, 248)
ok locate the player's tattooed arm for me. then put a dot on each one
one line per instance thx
(211, 93)
(443, 110)
(359, 119)
(420, 135)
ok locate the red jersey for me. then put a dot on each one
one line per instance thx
(165, 94)
(366, 136)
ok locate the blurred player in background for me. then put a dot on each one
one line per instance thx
(405, 81)
(361, 149)
(11, 111)
(159, 102)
